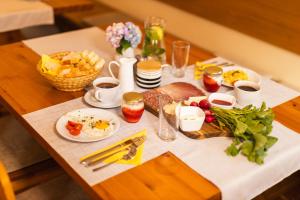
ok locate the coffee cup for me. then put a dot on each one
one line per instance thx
(107, 89)
(248, 92)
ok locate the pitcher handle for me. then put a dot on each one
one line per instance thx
(109, 68)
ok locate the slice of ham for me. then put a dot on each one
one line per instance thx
(179, 91)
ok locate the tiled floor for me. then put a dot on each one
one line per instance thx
(60, 188)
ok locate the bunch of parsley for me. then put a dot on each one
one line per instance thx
(251, 127)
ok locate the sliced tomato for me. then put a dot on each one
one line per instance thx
(71, 123)
(78, 126)
(74, 132)
(74, 128)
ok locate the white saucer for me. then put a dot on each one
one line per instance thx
(91, 100)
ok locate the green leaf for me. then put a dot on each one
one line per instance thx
(259, 160)
(232, 150)
(119, 50)
(247, 148)
(125, 44)
(240, 128)
(271, 141)
(263, 106)
(260, 141)
(159, 51)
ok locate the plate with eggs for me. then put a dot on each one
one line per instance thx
(87, 125)
(236, 73)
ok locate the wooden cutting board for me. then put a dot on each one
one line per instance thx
(180, 91)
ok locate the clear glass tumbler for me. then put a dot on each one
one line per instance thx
(166, 131)
(180, 57)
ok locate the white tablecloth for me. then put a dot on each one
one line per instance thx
(17, 14)
(236, 177)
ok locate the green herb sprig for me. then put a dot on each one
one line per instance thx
(251, 127)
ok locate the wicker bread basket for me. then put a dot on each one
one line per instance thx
(69, 84)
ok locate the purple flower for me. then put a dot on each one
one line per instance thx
(117, 31)
(132, 34)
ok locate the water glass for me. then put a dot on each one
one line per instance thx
(166, 132)
(180, 57)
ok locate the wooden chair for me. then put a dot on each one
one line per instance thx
(6, 189)
(28, 186)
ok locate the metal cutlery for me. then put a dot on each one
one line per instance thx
(130, 155)
(225, 64)
(135, 144)
(88, 159)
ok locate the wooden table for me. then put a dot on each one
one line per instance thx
(23, 90)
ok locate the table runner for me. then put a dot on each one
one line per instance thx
(18, 14)
(236, 177)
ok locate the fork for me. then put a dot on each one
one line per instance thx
(130, 155)
(135, 144)
(125, 143)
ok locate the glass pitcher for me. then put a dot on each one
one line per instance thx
(154, 46)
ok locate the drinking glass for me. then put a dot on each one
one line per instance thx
(166, 132)
(180, 57)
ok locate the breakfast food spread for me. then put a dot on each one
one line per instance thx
(71, 64)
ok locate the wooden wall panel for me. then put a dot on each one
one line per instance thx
(274, 21)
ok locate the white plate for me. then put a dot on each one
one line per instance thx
(91, 100)
(91, 112)
(252, 75)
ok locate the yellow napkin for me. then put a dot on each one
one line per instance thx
(135, 161)
(199, 69)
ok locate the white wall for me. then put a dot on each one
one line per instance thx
(263, 57)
